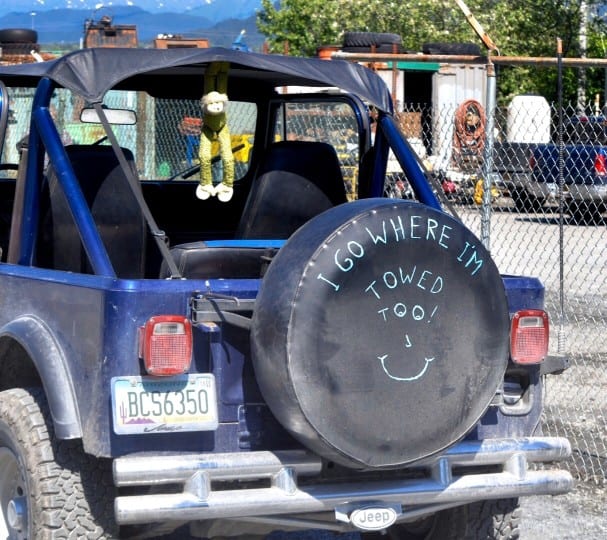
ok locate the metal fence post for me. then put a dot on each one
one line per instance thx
(487, 167)
(561, 185)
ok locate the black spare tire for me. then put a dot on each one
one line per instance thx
(380, 333)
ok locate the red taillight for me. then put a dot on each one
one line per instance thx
(600, 165)
(167, 345)
(529, 336)
(532, 161)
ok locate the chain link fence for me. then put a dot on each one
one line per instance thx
(537, 198)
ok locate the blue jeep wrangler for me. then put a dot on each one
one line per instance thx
(303, 354)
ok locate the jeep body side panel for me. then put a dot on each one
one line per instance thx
(36, 338)
(76, 357)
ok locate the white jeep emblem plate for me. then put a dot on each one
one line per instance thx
(373, 518)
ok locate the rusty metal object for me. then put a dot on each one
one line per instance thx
(468, 59)
(103, 33)
(179, 42)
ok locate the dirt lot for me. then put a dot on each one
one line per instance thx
(575, 401)
(579, 515)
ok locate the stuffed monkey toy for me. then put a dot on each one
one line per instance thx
(215, 128)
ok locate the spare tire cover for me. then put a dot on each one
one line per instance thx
(380, 333)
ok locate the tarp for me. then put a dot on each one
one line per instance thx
(92, 72)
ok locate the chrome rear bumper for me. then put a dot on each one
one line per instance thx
(197, 500)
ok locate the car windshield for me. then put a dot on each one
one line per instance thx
(165, 139)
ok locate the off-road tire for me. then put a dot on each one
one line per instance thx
(585, 213)
(469, 49)
(524, 202)
(384, 48)
(19, 48)
(63, 492)
(370, 39)
(494, 520)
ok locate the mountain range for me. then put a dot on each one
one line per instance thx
(215, 10)
(62, 21)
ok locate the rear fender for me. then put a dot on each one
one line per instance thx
(49, 360)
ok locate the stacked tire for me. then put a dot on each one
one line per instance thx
(465, 49)
(18, 41)
(372, 42)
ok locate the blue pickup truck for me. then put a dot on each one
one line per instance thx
(305, 354)
(534, 172)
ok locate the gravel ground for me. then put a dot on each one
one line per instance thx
(578, 515)
(576, 400)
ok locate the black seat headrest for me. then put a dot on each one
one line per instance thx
(295, 181)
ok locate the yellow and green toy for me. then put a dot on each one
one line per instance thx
(215, 128)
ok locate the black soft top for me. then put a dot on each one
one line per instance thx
(179, 72)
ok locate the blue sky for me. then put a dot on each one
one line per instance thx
(153, 6)
(148, 5)
(55, 25)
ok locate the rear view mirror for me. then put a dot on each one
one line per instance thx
(123, 117)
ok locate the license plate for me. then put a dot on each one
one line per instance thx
(175, 404)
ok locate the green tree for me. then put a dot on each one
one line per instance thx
(307, 24)
(302, 24)
(518, 27)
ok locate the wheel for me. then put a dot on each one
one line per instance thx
(360, 39)
(385, 38)
(470, 49)
(19, 48)
(524, 202)
(448, 524)
(578, 212)
(18, 35)
(494, 520)
(48, 488)
(370, 39)
(382, 48)
(585, 213)
(377, 307)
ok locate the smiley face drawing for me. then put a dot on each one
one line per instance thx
(416, 377)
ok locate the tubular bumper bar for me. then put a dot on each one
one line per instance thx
(198, 500)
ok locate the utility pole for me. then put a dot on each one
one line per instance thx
(583, 38)
(476, 26)
(490, 105)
